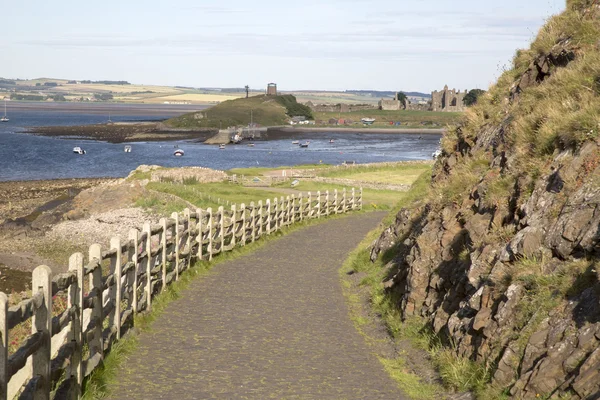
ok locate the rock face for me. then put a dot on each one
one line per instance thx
(509, 271)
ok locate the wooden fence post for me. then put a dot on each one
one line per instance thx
(253, 221)
(233, 224)
(41, 322)
(114, 293)
(163, 245)
(300, 207)
(209, 248)
(148, 261)
(96, 345)
(289, 210)
(175, 238)
(336, 203)
(188, 237)
(199, 234)
(74, 370)
(361, 199)
(243, 210)
(282, 212)
(318, 204)
(3, 346)
(260, 218)
(268, 206)
(132, 279)
(344, 208)
(222, 228)
(275, 216)
(327, 202)
(353, 199)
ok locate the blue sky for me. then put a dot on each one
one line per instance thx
(406, 45)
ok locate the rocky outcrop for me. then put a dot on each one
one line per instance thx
(508, 271)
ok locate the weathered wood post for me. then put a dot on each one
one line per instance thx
(282, 212)
(318, 204)
(260, 219)
(41, 323)
(253, 221)
(96, 344)
(361, 199)
(289, 210)
(353, 199)
(188, 237)
(222, 227)
(199, 234)
(114, 293)
(209, 248)
(268, 207)
(233, 224)
(293, 207)
(327, 202)
(175, 238)
(163, 250)
(132, 279)
(336, 203)
(344, 206)
(147, 264)
(244, 222)
(276, 215)
(3, 346)
(74, 369)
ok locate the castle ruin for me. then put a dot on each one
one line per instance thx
(393, 105)
(448, 100)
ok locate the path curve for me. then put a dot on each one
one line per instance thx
(272, 324)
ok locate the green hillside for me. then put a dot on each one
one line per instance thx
(263, 110)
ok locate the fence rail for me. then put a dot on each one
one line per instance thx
(104, 294)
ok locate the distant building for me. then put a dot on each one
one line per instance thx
(448, 100)
(272, 89)
(393, 105)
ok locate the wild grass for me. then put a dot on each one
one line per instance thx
(257, 171)
(411, 119)
(398, 174)
(207, 194)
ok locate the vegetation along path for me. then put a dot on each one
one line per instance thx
(271, 324)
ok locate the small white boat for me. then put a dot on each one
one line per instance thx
(221, 147)
(367, 121)
(127, 149)
(331, 141)
(178, 153)
(304, 144)
(78, 150)
(296, 142)
(250, 144)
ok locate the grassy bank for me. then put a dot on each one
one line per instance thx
(410, 119)
(457, 373)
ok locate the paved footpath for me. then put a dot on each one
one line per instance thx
(272, 324)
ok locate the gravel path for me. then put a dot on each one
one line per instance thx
(269, 325)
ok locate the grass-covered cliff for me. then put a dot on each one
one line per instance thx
(501, 259)
(262, 110)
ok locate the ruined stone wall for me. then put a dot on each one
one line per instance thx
(392, 105)
(448, 100)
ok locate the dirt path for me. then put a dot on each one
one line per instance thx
(271, 324)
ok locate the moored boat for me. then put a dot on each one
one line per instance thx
(127, 149)
(296, 142)
(78, 150)
(221, 147)
(304, 144)
(178, 153)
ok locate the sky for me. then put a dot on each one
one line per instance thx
(409, 45)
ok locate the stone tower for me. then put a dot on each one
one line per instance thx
(272, 89)
(448, 100)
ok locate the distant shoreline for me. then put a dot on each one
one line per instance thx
(416, 131)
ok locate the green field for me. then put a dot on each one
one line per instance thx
(410, 119)
(402, 174)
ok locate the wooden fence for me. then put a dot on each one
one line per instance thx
(104, 293)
